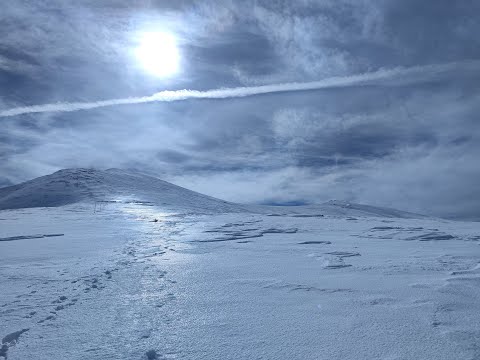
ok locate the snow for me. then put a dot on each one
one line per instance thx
(215, 280)
(88, 185)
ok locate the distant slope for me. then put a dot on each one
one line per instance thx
(87, 185)
(342, 207)
(336, 208)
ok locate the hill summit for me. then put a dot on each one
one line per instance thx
(70, 186)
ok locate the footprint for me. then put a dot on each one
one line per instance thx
(9, 341)
(12, 338)
(382, 301)
(146, 334)
(50, 317)
(151, 355)
(30, 314)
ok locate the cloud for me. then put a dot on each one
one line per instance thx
(371, 101)
(387, 77)
(440, 182)
(417, 153)
(249, 155)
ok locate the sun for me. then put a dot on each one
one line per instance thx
(158, 53)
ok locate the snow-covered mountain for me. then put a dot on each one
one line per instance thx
(70, 186)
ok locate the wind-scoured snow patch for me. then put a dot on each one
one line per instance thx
(25, 237)
(240, 231)
(409, 233)
(279, 285)
(315, 242)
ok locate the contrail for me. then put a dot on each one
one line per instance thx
(391, 77)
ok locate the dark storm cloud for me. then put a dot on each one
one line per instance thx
(412, 146)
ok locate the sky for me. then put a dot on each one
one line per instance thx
(253, 101)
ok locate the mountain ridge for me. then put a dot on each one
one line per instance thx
(69, 186)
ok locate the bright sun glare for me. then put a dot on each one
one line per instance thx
(158, 53)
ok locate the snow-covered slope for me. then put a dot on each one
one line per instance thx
(335, 208)
(216, 280)
(70, 186)
(77, 284)
(343, 208)
(87, 185)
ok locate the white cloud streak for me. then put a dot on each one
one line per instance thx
(384, 77)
